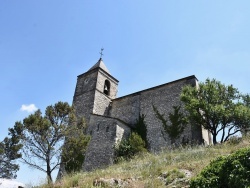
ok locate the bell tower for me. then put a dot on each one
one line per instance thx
(94, 91)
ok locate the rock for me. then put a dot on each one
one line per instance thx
(188, 174)
(112, 182)
(172, 181)
(10, 183)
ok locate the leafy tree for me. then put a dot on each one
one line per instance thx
(244, 117)
(43, 137)
(216, 107)
(74, 149)
(9, 152)
(176, 125)
(246, 100)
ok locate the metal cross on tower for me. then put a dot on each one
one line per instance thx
(101, 52)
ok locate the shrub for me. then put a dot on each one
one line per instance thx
(137, 143)
(172, 175)
(226, 172)
(141, 128)
(234, 140)
(130, 147)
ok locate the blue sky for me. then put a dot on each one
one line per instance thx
(45, 44)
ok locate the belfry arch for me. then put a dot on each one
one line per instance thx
(106, 89)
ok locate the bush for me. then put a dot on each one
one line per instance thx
(130, 147)
(234, 140)
(141, 128)
(226, 172)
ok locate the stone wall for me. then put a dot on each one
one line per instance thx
(163, 97)
(84, 96)
(105, 133)
(85, 83)
(109, 119)
(101, 104)
(102, 76)
(126, 109)
(89, 97)
(102, 101)
(84, 104)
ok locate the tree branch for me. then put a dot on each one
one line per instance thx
(33, 165)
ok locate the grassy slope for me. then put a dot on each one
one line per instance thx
(156, 170)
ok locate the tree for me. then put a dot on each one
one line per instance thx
(216, 107)
(243, 119)
(74, 149)
(43, 137)
(177, 122)
(246, 100)
(9, 152)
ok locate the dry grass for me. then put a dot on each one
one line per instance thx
(155, 170)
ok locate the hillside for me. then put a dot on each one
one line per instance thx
(170, 168)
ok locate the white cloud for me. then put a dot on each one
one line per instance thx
(29, 108)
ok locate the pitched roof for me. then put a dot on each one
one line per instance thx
(101, 65)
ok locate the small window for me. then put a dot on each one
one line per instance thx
(106, 87)
(98, 126)
(107, 129)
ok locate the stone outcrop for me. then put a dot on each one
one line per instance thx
(10, 183)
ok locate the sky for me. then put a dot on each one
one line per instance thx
(45, 45)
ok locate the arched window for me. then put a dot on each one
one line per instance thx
(106, 89)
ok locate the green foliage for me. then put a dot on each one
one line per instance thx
(9, 152)
(230, 171)
(126, 149)
(136, 143)
(217, 108)
(243, 119)
(156, 169)
(234, 140)
(73, 153)
(177, 122)
(172, 175)
(141, 128)
(43, 137)
(7, 168)
(246, 100)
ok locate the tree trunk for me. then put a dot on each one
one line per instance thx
(49, 177)
(223, 135)
(214, 139)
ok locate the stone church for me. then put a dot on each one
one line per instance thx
(109, 119)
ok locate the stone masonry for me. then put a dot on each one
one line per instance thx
(110, 119)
